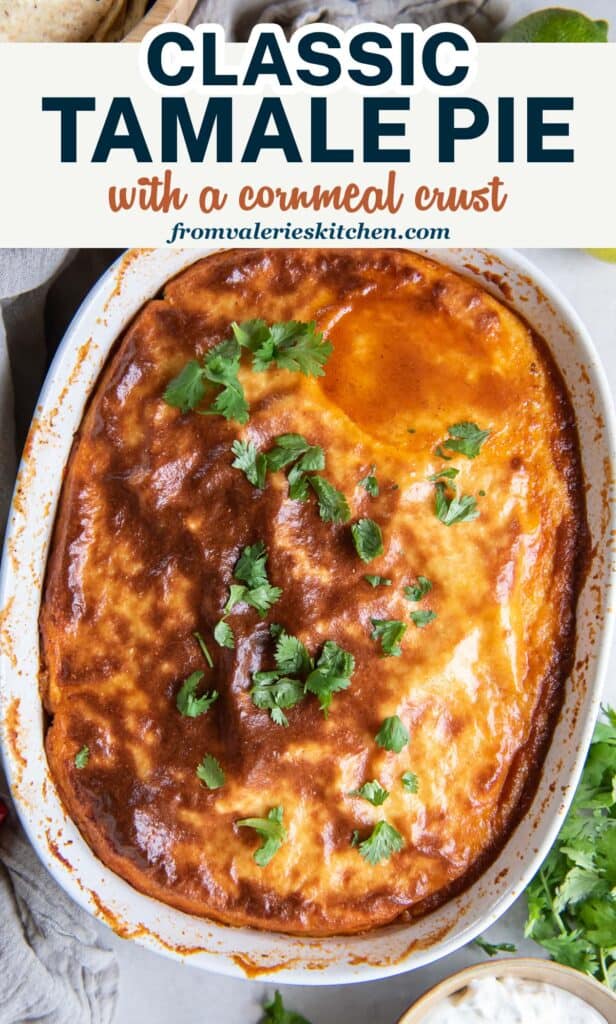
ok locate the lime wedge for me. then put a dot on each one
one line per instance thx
(609, 255)
(556, 25)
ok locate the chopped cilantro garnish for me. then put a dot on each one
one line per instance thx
(454, 509)
(272, 832)
(220, 367)
(368, 539)
(333, 507)
(206, 654)
(389, 632)
(444, 474)
(377, 581)
(258, 591)
(223, 634)
(393, 734)
(291, 656)
(493, 949)
(292, 346)
(410, 782)
(210, 773)
(419, 589)
(372, 791)
(370, 483)
(275, 1013)
(332, 673)
(82, 757)
(187, 703)
(422, 616)
(441, 454)
(273, 692)
(466, 438)
(571, 904)
(236, 594)
(252, 462)
(381, 843)
(290, 448)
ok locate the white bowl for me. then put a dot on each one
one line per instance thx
(241, 951)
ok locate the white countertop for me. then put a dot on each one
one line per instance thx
(158, 990)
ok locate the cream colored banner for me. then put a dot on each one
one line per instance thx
(479, 199)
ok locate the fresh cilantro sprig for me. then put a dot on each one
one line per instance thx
(271, 830)
(377, 581)
(367, 538)
(383, 841)
(331, 674)
(210, 772)
(422, 616)
(393, 734)
(454, 508)
(187, 702)
(372, 791)
(572, 898)
(390, 633)
(255, 589)
(419, 589)
(297, 674)
(220, 369)
(251, 461)
(410, 782)
(292, 345)
(493, 949)
(302, 460)
(82, 757)
(275, 1013)
(370, 483)
(466, 439)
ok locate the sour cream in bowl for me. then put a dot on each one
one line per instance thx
(520, 991)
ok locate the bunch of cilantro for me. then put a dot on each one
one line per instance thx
(572, 899)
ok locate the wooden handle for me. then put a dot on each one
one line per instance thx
(162, 10)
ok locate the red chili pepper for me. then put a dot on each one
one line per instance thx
(3, 811)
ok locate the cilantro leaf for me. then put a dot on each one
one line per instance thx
(187, 703)
(370, 483)
(368, 539)
(377, 581)
(275, 1013)
(392, 735)
(419, 589)
(332, 674)
(492, 949)
(187, 389)
(293, 346)
(571, 900)
(466, 438)
(383, 841)
(252, 462)
(410, 782)
(373, 792)
(250, 334)
(223, 634)
(333, 507)
(271, 692)
(263, 597)
(455, 509)
(250, 566)
(291, 656)
(422, 616)
(287, 449)
(299, 486)
(272, 832)
(231, 404)
(444, 474)
(389, 632)
(206, 654)
(210, 772)
(237, 593)
(82, 757)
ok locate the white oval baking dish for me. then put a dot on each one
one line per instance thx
(245, 952)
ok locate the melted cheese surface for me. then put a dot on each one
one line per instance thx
(153, 518)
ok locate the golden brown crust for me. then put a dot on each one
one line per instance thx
(152, 520)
